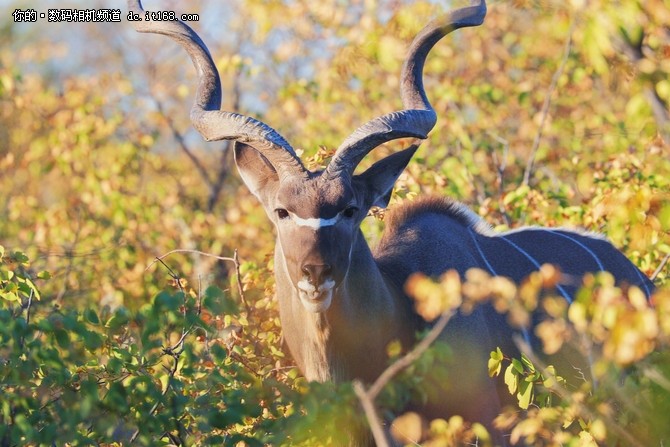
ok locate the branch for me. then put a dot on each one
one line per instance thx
(185, 250)
(224, 169)
(240, 289)
(371, 414)
(179, 138)
(406, 361)
(171, 373)
(367, 397)
(173, 351)
(28, 307)
(658, 105)
(545, 106)
(660, 268)
(501, 165)
(235, 260)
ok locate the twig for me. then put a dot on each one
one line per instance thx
(367, 397)
(660, 268)
(409, 358)
(634, 50)
(171, 374)
(545, 107)
(240, 288)
(178, 347)
(199, 303)
(235, 260)
(245, 363)
(371, 414)
(175, 351)
(501, 165)
(224, 169)
(179, 138)
(28, 307)
(184, 250)
(69, 254)
(171, 272)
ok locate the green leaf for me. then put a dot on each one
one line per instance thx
(219, 353)
(62, 337)
(167, 301)
(518, 366)
(28, 287)
(10, 296)
(91, 316)
(495, 362)
(233, 414)
(114, 365)
(20, 257)
(525, 395)
(7, 275)
(527, 363)
(511, 379)
(218, 302)
(93, 341)
(120, 318)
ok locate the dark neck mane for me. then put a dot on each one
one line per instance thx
(407, 213)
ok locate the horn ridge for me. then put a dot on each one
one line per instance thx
(418, 118)
(402, 124)
(411, 84)
(211, 122)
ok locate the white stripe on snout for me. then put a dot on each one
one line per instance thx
(308, 287)
(315, 222)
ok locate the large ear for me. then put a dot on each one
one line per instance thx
(378, 179)
(256, 171)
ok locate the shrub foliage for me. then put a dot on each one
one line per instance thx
(100, 174)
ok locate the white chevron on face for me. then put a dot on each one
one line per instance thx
(315, 222)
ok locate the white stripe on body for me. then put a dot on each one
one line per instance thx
(524, 329)
(642, 281)
(601, 267)
(481, 253)
(536, 264)
(572, 239)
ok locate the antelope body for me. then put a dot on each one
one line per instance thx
(341, 303)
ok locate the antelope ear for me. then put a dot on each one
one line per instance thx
(256, 171)
(378, 179)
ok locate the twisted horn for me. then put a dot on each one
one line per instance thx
(211, 122)
(419, 117)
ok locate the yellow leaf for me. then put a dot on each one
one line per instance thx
(408, 428)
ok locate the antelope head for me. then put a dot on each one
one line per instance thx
(316, 214)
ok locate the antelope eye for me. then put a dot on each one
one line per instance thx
(282, 213)
(349, 212)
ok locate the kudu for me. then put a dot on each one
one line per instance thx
(340, 303)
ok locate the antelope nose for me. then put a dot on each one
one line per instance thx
(316, 273)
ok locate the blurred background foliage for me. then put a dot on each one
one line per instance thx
(552, 113)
